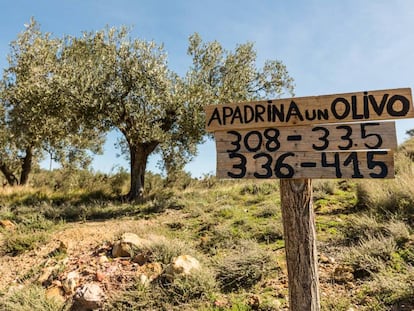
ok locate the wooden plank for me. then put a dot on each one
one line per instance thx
(329, 165)
(350, 107)
(328, 137)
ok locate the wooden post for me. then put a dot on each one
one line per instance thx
(300, 244)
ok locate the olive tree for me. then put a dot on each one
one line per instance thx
(126, 84)
(34, 116)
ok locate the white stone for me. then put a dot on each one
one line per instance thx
(182, 265)
(90, 296)
(128, 243)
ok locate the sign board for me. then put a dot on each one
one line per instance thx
(298, 139)
(329, 136)
(340, 108)
(366, 164)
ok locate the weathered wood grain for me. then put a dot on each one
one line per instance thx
(307, 165)
(350, 107)
(350, 136)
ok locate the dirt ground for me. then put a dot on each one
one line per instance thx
(82, 240)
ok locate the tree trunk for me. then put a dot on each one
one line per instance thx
(11, 179)
(26, 166)
(300, 244)
(139, 154)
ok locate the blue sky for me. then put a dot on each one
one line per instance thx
(328, 46)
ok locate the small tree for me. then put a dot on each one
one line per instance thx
(126, 84)
(34, 116)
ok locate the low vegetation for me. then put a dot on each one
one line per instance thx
(364, 230)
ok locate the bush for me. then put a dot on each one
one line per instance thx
(186, 288)
(391, 198)
(17, 243)
(183, 293)
(259, 188)
(164, 250)
(243, 267)
(363, 227)
(324, 187)
(32, 230)
(270, 233)
(391, 289)
(30, 298)
(370, 255)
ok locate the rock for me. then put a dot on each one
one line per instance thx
(142, 258)
(100, 276)
(143, 279)
(89, 296)
(326, 260)
(71, 282)
(128, 245)
(55, 293)
(149, 272)
(323, 258)
(103, 259)
(182, 265)
(7, 224)
(343, 274)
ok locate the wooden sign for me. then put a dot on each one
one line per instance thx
(263, 165)
(327, 137)
(297, 139)
(350, 107)
(320, 151)
(330, 136)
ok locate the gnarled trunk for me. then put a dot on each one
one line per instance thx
(26, 166)
(139, 154)
(8, 174)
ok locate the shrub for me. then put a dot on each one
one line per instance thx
(30, 298)
(164, 250)
(391, 289)
(370, 255)
(183, 293)
(268, 211)
(325, 186)
(17, 243)
(270, 233)
(363, 227)
(186, 288)
(257, 188)
(391, 198)
(243, 267)
(32, 230)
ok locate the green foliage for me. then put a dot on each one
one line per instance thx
(391, 198)
(35, 118)
(391, 290)
(166, 294)
(335, 303)
(31, 231)
(126, 84)
(243, 267)
(164, 250)
(30, 298)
